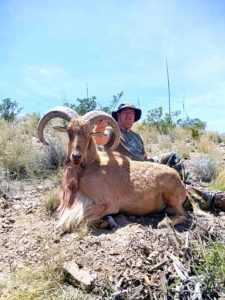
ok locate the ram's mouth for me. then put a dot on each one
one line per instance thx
(76, 160)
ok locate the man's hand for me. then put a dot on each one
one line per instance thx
(100, 126)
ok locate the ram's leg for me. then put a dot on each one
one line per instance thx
(175, 202)
(178, 218)
(99, 215)
(83, 210)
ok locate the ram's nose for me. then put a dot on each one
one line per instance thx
(76, 158)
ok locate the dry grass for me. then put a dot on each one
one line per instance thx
(15, 149)
(183, 150)
(30, 124)
(51, 203)
(180, 135)
(22, 155)
(207, 146)
(219, 182)
(36, 283)
(46, 280)
(213, 136)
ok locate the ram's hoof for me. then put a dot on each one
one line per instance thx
(112, 223)
(164, 223)
(107, 222)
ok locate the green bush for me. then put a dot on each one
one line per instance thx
(9, 109)
(210, 264)
(156, 119)
(195, 134)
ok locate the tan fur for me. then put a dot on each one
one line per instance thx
(108, 182)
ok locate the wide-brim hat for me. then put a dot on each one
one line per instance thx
(122, 106)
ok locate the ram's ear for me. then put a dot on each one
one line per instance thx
(59, 128)
(98, 134)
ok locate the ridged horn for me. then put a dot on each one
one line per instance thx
(95, 116)
(62, 112)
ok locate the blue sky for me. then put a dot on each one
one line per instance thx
(50, 50)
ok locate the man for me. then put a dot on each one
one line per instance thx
(132, 146)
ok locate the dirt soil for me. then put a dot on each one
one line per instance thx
(133, 261)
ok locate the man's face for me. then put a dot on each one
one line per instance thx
(126, 118)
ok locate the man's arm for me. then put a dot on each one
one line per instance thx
(100, 127)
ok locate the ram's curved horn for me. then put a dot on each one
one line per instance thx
(62, 112)
(96, 115)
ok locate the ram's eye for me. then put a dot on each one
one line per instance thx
(70, 133)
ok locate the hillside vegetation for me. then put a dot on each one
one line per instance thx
(134, 261)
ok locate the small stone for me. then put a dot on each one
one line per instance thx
(2, 213)
(3, 282)
(139, 262)
(10, 220)
(17, 207)
(39, 188)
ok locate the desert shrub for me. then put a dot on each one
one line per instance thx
(179, 134)
(219, 182)
(15, 148)
(183, 150)
(22, 156)
(196, 126)
(206, 146)
(182, 142)
(163, 123)
(9, 109)
(30, 124)
(213, 137)
(165, 143)
(195, 133)
(210, 267)
(149, 135)
(205, 168)
(47, 160)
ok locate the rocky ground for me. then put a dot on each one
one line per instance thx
(134, 261)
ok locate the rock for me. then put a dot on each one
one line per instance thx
(16, 197)
(17, 207)
(79, 277)
(3, 282)
(11, 221)
(2, 213)
(39, 188)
